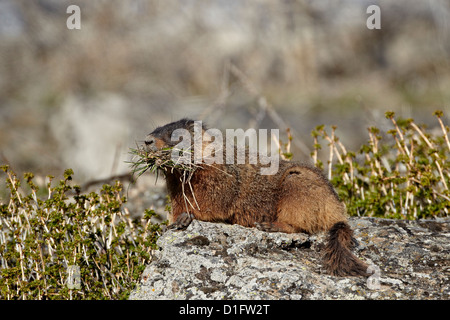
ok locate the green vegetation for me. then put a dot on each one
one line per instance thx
(41, 238)
(402, 173)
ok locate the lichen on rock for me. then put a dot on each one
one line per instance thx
(410, 259)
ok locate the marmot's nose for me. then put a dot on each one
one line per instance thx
(150, 144)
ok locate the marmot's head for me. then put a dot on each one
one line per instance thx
(185, 137)
(162, 137)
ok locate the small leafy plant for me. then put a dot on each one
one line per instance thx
(402, 173)
(42, 239)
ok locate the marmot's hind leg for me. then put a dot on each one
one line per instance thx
(308, 202)
(277, 227)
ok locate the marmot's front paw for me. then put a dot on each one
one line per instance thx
(182, 222)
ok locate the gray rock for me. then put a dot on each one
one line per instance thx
(411, 260)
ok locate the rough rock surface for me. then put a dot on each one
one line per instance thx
(219, 261)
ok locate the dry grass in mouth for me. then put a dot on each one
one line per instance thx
(162, 160)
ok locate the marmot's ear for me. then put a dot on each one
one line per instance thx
(190, 126)
(204, 126)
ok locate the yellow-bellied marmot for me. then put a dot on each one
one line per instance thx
(298, 198)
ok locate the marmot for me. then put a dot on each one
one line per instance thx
(298, 198)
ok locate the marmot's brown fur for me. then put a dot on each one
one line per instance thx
(298, 198)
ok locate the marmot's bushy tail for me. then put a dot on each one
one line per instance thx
(339, 260)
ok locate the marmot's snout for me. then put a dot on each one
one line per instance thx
(150, 143)
(157, 140)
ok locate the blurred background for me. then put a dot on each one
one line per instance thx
(81, 98)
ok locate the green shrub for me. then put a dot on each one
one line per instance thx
(42, 239)
(402, 173)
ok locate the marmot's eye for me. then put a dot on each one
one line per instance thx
(148, 142)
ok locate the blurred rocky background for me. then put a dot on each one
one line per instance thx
(81, 98)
